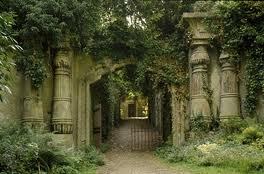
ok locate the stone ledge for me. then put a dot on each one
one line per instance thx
(191, 15)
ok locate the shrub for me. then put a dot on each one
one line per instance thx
(198, 124)
(18, 152)
(170, 153)
(233, 126)
(251, 134)
(93, 156)
(27, 151)
(64, 170)
(217, 149)
(104, 147)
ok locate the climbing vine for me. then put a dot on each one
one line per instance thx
(33, 66)
(42, 25)
(239, 32)
(115, 29)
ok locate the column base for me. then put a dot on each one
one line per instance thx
(34, 123)
(65, 140)
(225, 118)
(62, 126)
(200, 106)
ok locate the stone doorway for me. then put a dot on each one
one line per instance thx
(131, 110)
(97, 125)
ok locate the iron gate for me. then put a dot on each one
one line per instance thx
(144, 136)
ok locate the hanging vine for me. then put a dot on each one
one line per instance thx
(239, 32)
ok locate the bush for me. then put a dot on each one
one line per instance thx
(233, 126)
(26, 151)
(218, 149)
(64, 170)
(251, 134)
(170, 153)
(93, 156)
(104, 147)
(198, 124)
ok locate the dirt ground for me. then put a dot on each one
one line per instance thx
(121, 160)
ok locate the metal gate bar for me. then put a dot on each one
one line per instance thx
(144, 136)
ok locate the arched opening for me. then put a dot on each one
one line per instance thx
(127, 115)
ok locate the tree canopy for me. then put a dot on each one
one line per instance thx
(147, 30)
(7, 46)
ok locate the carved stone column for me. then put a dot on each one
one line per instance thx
(199, 81)
(229, 106)
(199, 61)
(62, 115)
(33, 107)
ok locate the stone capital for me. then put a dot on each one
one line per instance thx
(200, 56)
(225, 61)
(62, 60)
(197, 28)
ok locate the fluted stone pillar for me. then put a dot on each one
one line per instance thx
(33, 107)
(62, 116)
(199, 80)
(229, 106)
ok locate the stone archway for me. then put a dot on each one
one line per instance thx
(85, 110)
(71, 107)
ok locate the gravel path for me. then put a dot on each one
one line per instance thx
(121, 160)
(134, 163)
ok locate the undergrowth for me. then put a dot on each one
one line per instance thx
(27, 151)
(238, 145)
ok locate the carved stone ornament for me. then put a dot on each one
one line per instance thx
(200, 55)
(62, 115)
(62, 60)
(229, 105)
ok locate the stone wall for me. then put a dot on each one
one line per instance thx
(12, 107)
(65, 98)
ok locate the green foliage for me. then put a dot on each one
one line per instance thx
(251, 134)
(120, 29)
(93, 156)
(42, 26)
(233, 126)
(19, 148)
(239, 32)
(104, 147)
(241, 150)
(8, 45)
(33, 67)
(170, 153)
(23, 150)
(198, 124)
(64, 170)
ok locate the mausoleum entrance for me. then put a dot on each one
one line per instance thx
(120, 113)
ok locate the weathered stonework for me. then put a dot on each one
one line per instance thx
(68, 95)
(199, 61)
(178, 110)
(229, 106)
(62, 115)
(33, 107)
